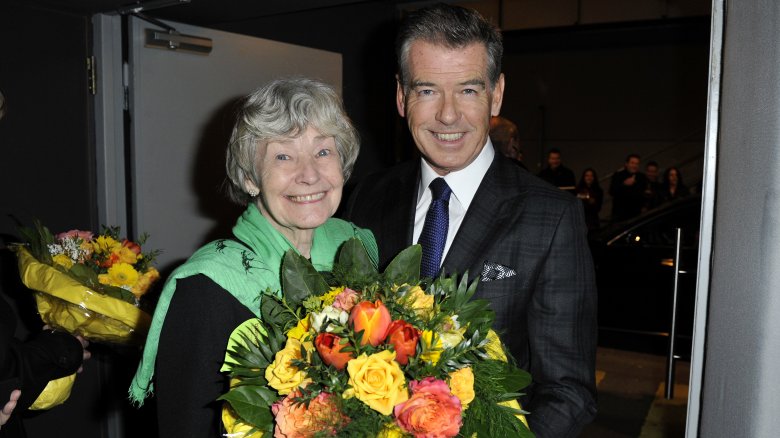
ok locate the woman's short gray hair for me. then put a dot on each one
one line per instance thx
(281, 109)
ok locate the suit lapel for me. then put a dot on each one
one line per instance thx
(489, 217)
(398, 209)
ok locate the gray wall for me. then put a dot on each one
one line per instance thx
(741, 373)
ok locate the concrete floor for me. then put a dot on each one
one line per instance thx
(631, 397)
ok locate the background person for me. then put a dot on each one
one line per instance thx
(506, 139)
(627, 189)
(556, 173)
(592, 196)
(291, 150)
(526, 238)
(673, 186)
(653, 187)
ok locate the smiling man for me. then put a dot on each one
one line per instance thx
(474, 210)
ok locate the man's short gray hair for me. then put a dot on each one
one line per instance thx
(283, 109)
(453, 27)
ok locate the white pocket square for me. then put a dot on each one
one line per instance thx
(496, 271)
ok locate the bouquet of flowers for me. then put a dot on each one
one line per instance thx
(88, 285)
(355, 352)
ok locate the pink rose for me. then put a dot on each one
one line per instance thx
(295, 420)
(346, 300)
(86, 236)
(431, 412)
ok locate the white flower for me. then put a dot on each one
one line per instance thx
(330, 313)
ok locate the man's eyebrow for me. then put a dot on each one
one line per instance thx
(479, 82)
(415, 84)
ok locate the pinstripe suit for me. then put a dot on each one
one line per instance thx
(546, 312)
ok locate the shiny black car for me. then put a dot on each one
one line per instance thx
(634, 263)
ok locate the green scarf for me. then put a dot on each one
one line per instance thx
(244, 272)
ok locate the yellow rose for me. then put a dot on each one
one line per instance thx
(417, 300)
(462, 385)
(431, 350)
(234, 427)
(299, 331)
(62, 260)
(391, 430)
(377, 381)
(281, 374)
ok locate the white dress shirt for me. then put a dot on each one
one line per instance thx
(464, 184)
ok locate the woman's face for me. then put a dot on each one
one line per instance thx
(588, 177)
(673, 177)
(301, 181)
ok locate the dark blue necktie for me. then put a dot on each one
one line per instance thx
(434, 232)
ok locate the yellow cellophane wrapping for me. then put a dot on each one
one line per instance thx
(55, 393)
(66, 304)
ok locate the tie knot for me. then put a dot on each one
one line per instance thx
(440, 189)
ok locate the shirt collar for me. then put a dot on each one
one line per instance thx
(462, 182)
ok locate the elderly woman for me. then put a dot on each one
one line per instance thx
(291, 150)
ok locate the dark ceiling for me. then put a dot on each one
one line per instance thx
(199, 12)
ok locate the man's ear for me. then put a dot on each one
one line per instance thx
(400, 97)
(497, 96)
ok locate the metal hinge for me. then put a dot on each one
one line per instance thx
(91, 75)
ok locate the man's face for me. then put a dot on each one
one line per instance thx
(553, 160)
(632, 165)
(652, 173)
(448, 103)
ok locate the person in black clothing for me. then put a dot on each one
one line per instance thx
(673, 186)
(31, 365)
(589, 191)
(627, 190)
(557, 174)
(653, 187)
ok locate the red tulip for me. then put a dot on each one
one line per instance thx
(373, 319)
(132, 246)
(329, 347)
(403, 337)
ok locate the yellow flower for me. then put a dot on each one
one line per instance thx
(330, 296)
(235, 427)
(126, 255)
(105, 245)
(120, 274)
(462, 385)
(144, 282)
(281, 374)
(377, 381)
(417, 300)
(431, 350)
(391, 430)
(62, 260)
(300, 331)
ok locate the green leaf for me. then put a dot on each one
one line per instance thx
(299, 279)
(252, 404)
(513, 379)
(354, 259)
(405, 267)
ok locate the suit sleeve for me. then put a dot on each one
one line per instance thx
(562, 333)
(193, 340)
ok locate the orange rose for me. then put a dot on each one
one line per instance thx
(431, 412)
(404, 338)
(329, 347)
(295, 420)
(372, 319)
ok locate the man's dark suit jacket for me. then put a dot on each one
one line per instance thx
(546, 313)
